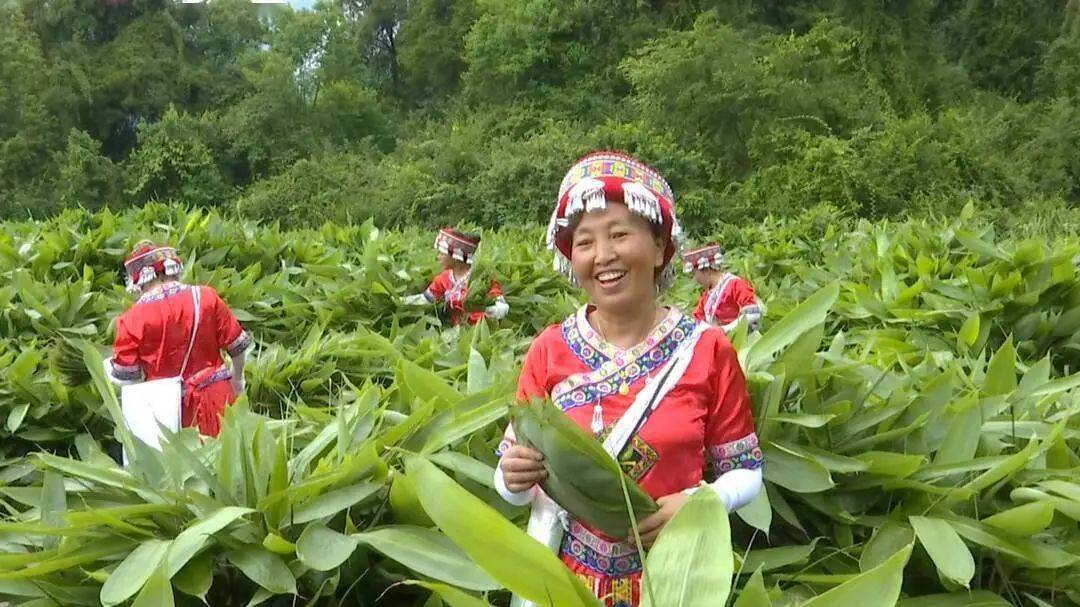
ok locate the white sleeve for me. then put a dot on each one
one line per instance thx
(514, 499)
(736, 488)
(499, 310)
(238, 369)
(420, 299)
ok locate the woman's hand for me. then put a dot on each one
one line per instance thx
(651, 527)
(522, 468)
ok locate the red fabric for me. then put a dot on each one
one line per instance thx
(710, 406)
(203, 407)
(737, 294)
(453, 294)
(154, 333)
(704, 424)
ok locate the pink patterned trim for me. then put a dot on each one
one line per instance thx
(744, 452)
(610, 366)
(240, 344)
(127, 372)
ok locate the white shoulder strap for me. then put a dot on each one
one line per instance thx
(195, 289)
(652, 394)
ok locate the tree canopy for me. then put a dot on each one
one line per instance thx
(432, 111)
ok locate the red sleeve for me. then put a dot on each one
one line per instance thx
(496, 289)
(743, 293)
(699, 311)
(532, 383)
(730, 438)
(125, 362)
(230, 335)
(437, 289)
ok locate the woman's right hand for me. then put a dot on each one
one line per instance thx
(522, 467)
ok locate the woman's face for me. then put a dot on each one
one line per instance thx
(616, 257)
(445, 261)
(704, 278)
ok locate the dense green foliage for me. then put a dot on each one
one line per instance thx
(915, 389)
(431, 111)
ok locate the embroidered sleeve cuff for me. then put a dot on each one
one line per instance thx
(123, 373)
(239, 345)
(741, 453)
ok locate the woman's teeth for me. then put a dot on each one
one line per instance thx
(608, 277)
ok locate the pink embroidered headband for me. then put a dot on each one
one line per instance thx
(603, 177)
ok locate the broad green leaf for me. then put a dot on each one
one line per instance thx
(157, 592)
(691, 563)
(453, 597)
(20, 588)
(1011, 465)
(804, 419)
(322, 548)
(1001, 373)
(1057, 386)
(1024, 520)
(429, 553)
(196, 578)
(53, 499)
(888, 463)
(879, 587)
(332, 502)
(795, 472)
(264, 568)
(89, 472)
(466, 424)
(581, 476)
(888, 539)
(1032, 552)
(753, 594)
(804, 317)
(977, 598)
(130, 576)
(951, 557)
(962, 440)
(487, 538)
(478, 378)
(16, 416)
(1065, 488)
(191, 540)
(466, 466)
(278, 545)
(769, 559)
(427, 385)
(758, 513)
(969, 333)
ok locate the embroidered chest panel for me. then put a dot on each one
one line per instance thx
(613, 371)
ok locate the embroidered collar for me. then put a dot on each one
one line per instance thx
(611, 369)
(458, 286)
(168, 290)
(716, 294)
(594, 350)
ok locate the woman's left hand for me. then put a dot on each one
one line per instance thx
(651, 527)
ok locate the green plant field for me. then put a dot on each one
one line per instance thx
(915, 386)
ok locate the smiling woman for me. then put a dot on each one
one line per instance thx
(663, 392)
